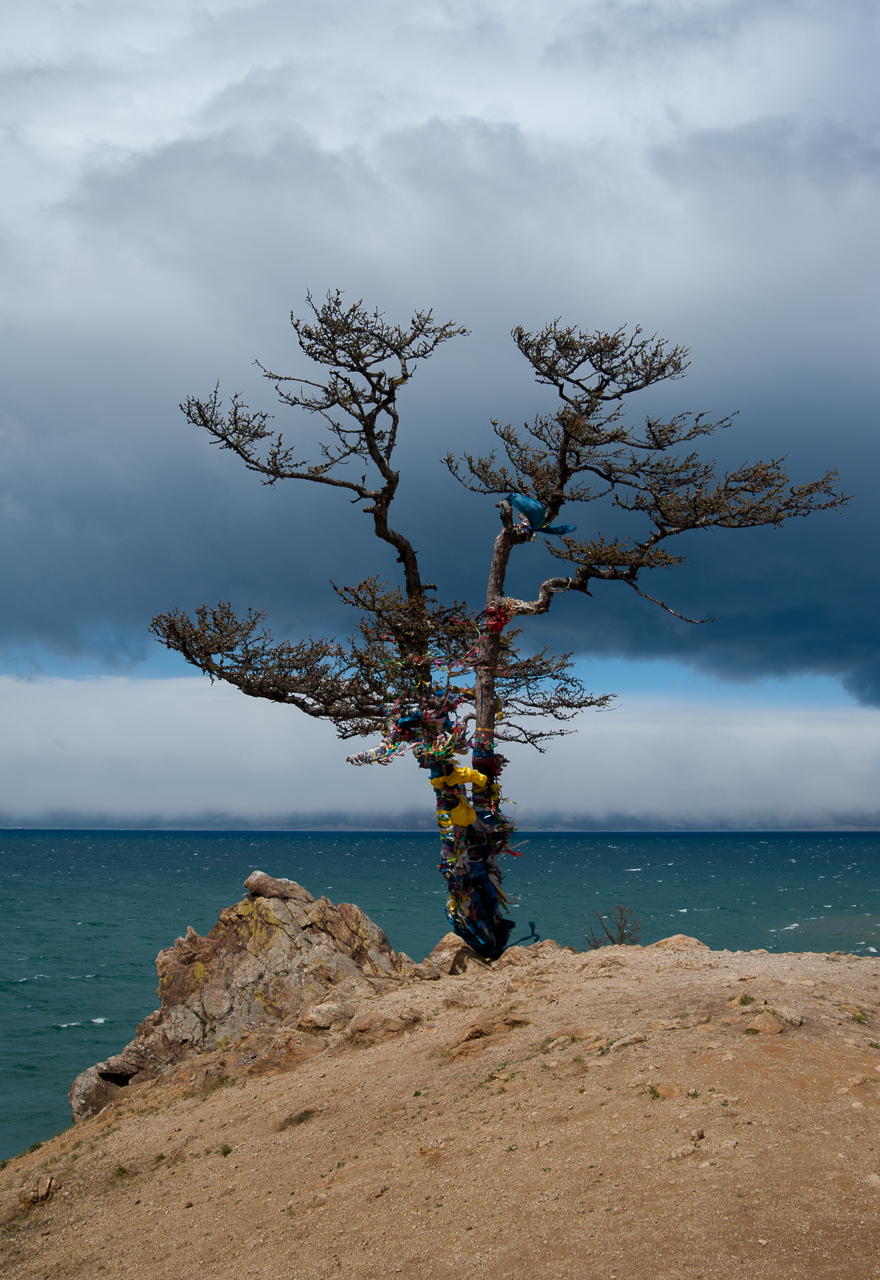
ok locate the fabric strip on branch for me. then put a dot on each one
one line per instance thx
(536, 516)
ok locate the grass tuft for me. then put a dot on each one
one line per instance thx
(299, 1117)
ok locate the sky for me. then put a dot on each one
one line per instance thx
(178, 176)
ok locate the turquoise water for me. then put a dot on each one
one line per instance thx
(85, 913)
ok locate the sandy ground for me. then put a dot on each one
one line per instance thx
(630, 1113)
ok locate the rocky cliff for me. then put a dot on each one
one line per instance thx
(277, 970)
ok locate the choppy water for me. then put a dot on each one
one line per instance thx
(85, 913)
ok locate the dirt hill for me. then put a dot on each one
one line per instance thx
(640, 1113)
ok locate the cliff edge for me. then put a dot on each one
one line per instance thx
(650, 1113)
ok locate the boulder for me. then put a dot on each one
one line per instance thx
(37, 1188)
(453, 956)
(270, 958)
(327, 1016)
(765, 1024)
(260, 885)
(90, 1092)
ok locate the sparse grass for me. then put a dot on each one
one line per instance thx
(299, 1117)
(225, 1149)
(746, 999)
(120, 1171)
(218, 1082)
(752, 1031)
(159, 1158)
(210, 1086)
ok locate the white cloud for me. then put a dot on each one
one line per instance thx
(122, 751)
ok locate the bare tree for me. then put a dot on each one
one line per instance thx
(620, 927)
(442, 680)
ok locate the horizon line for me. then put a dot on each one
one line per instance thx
(421, 831)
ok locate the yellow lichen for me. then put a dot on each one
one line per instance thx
(272, 1007)
(258, 932)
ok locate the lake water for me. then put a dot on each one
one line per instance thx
(85, 914)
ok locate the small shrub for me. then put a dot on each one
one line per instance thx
(224, 1149)
(120, 1171)
(620, 928)
(300, 1117)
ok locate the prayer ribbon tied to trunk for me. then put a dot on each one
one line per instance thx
(473, 832)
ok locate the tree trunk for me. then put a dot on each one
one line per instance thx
(475, 834)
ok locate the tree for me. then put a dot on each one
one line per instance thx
(620, 928)
(439, 679)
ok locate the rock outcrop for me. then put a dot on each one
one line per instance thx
(279, 958)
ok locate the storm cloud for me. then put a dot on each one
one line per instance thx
(179, 175)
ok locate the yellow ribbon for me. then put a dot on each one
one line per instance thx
(462, 815)
(458, 776)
